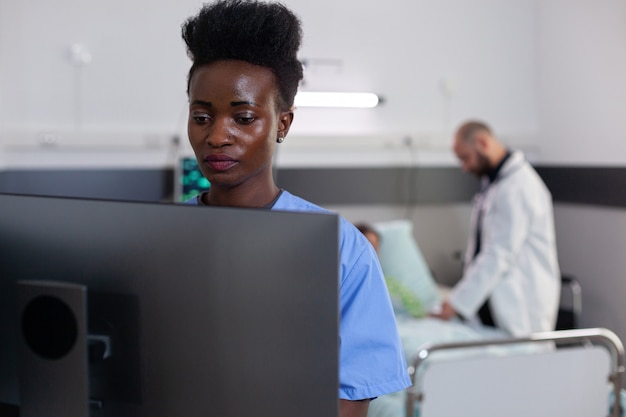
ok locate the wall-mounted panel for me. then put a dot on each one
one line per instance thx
(326, 186)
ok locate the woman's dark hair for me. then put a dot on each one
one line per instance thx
(265, 34)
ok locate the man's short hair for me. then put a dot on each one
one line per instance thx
(468, 129)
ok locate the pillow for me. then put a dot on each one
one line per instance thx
(402, 261)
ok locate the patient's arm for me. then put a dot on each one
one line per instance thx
(349, 408)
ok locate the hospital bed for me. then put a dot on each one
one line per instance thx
(561, 373)
(519, 377)
(457, 369)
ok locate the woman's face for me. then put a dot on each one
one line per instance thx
(234, 123)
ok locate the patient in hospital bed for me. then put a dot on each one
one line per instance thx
(414, 293)
(404, 300)
(413, 289)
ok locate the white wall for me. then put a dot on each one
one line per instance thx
(435, 63)
(582, 81)
(582, 104)
(592, 245)
(135, 80)
(547, 74)
(409, 50)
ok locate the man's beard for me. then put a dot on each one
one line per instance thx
(482, 167)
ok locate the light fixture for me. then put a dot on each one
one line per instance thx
(336, 99)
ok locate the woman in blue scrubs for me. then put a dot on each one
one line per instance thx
(241, 88)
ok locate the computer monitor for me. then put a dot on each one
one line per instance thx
(208, 311)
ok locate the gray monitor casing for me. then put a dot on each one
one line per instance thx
(212, 311)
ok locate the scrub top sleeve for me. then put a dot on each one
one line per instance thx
(371, 357)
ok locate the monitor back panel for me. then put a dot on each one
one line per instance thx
(211, 311)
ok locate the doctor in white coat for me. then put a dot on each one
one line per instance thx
(511, 278)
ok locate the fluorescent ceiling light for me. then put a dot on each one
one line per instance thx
(328, 99)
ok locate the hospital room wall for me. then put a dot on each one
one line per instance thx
(581, 100)
(592, 246)
(581, 84)
(581, 107)
(591, 243)
(73, 71)
(548, 74)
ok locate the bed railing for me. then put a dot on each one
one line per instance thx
(580, 337)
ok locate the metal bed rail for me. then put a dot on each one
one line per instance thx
(594, 336)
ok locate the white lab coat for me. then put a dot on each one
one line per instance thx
(517, 267)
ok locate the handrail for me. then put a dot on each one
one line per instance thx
(597, 336)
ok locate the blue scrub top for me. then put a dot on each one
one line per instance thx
(371, 360)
